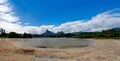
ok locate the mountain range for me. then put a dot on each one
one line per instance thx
(48, 32)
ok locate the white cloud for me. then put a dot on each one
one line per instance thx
(3, 1)
(4, 8)
(103, 21)
(37, 29)
(106, 20)
(6, 13)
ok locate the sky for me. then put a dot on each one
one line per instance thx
(36, 16)
(55, 12)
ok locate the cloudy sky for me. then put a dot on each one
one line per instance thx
(36, 16)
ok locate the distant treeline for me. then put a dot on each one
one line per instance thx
(3, 34)
(114, 34)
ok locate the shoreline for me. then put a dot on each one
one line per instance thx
(104, 50)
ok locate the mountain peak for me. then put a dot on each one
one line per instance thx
(47, 32)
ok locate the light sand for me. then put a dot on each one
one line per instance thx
(104, 50)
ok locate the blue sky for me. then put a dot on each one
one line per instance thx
(36, 16)
(56, 12)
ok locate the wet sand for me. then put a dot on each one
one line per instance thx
(103, 50)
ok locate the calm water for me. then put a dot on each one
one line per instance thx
(54, 42)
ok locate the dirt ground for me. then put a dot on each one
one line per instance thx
(103, 50)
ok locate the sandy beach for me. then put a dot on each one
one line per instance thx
(103, 50)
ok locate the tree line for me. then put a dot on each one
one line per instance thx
(3, 34)
(113, 34)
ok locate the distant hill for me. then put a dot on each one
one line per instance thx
(47, 33)
(76, 32)
(60, 32)
(117, 29)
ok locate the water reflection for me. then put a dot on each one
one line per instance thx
(54, 43)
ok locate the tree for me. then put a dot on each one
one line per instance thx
(3, 33)
(14, 35)
(25, 35)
